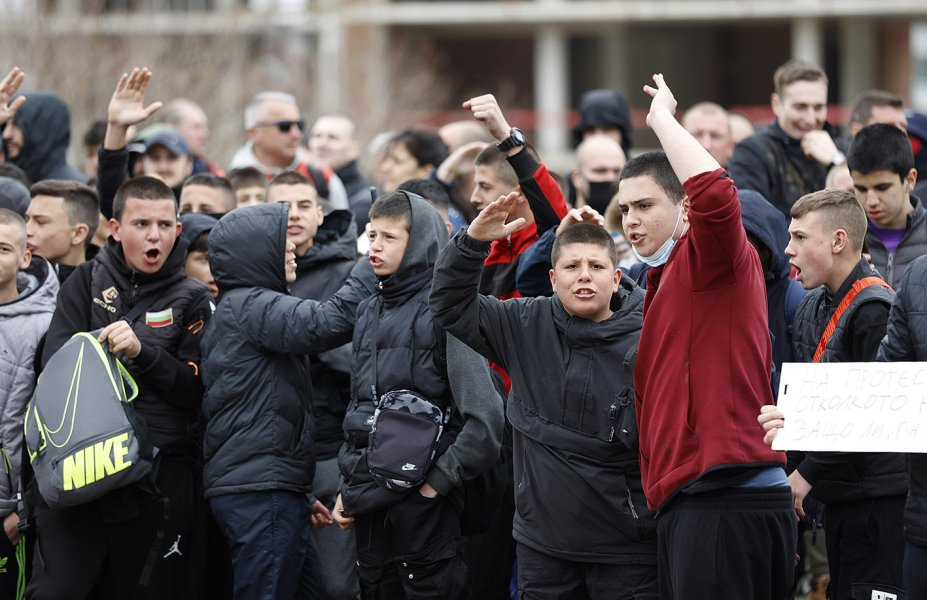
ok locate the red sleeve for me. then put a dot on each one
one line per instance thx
(719, 245)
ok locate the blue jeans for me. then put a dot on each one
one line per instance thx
(270, 538)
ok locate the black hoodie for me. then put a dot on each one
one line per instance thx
(46, 124)
(578, 489)
(257, 407)
(414, 353)
(783, 295)
(102, 291)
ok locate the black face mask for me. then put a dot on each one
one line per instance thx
(600, 194)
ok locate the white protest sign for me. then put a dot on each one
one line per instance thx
(853, 407)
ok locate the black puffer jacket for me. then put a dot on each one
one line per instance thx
(46, 124)
(839, 477)
(414, 353)
(578, 490)
(319, 274)
(257, 405)
(906, 340)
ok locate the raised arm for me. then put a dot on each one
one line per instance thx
(477, 320)
(685, 153)
(126, 108)
(544, 197)
(8, 88)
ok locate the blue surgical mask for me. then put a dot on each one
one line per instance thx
(663, 252)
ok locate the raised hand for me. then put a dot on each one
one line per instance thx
(126, 107)
(486, 110)
(585, 214)
(663, 99)
(8, 88)
(490, 224)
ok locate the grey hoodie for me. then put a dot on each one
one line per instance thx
(23, 322)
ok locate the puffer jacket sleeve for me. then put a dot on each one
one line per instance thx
(280, 323)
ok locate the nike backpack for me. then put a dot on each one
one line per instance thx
(82, 433)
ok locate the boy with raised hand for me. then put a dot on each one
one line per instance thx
(725, 521)
(581, 526)
(409, 541)
(863, 492)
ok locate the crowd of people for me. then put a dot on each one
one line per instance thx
(585, 366)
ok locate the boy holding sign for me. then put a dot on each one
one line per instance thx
(843, 320)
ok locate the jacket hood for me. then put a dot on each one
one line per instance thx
(335, 240)
(765, 222)
(627, 304)
(247, 248)
(37, 283)
(14, 196)
(193, 225)
(605, 108)
(46, 124)
(427, 235)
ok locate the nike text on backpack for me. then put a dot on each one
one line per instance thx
(82, 433)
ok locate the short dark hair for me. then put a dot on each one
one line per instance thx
(425, 146)
(216, 182)
(247, 177)
(796, 70)
(9, 217)
(839, 210)
(585, 233)
(656, 166)
(495, 159)
(881, 147)
(865, 102)
(200, 243)
(141, 188)
(81, 202)
(316, 180)
(430, 190)
(394, 205)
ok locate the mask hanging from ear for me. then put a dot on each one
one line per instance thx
(663, 252)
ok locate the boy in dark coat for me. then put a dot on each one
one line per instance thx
(258, 440)
(581, 524)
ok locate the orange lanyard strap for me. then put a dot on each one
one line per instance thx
(858, 286)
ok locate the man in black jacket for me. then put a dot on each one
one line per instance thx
(133, 542)
(581, 525)
(791, 157)
(843, 320)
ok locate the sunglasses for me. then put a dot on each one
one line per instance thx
(284, 126)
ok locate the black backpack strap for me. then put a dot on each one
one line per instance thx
(375, 328)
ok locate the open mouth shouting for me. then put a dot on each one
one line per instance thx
(152, 256)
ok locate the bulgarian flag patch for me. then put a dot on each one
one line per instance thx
(161, 318)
